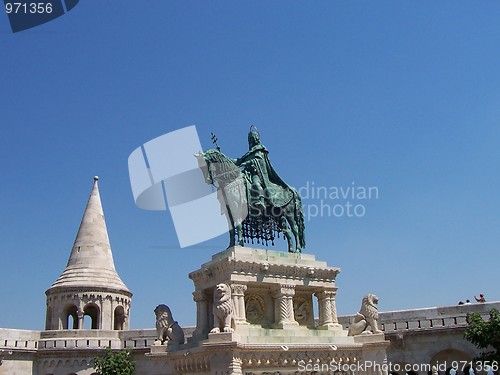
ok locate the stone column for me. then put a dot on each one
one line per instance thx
(126, 321)
(283, 306)
(333, 302)
(238, 297)
(327, 310)
(200, 298)
(105, 320)
(80, 318)
(60, 321)
(110, 309)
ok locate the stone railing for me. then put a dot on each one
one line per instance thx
(434, 318)
(96, 339)
(138, 339)
(391, 322)
(17, 339)
(13, 340)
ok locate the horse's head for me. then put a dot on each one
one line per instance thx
(204, 165)
(217, 167)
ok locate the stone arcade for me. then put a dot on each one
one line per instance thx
(272, 328)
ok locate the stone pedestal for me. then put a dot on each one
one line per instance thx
(270, 290)
(225, 337)
(156, 349)
(268, 297)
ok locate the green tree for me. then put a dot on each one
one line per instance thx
(485, 334)
(115, 363)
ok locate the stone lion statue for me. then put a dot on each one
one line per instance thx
(167, 329)
(222, 309)
(367, 316)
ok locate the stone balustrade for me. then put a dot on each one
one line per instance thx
(18, 339)
(14, 340)
(391, 322)
(434, 318)
(85, 343)
(18, 344)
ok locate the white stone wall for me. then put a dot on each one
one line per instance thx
(66, 352)
(421, 336)
(17, 351)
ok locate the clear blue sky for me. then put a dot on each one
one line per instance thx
(400, 95)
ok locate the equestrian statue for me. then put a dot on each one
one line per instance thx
(258, 204)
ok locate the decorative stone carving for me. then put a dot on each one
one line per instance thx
(367, 316)
(327, 309)
(302, 310)
(255, 307)
(222, 309)
(235, 366)
(283, 297)
(166, 328)
(238, 297)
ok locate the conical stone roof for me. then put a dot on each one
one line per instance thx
(90, 264)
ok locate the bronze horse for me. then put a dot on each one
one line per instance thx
(246, 223)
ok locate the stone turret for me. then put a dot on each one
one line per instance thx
(89, 287)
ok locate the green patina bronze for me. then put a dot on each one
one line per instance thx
(258, 204)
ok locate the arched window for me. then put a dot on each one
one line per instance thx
(92, 311)
(70, 317)
(119, 318)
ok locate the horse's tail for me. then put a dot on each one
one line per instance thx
(299, 218)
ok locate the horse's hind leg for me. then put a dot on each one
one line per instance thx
(239, 232)
(231, 237)
(295, 230)
(288, 234)
(290, 218)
